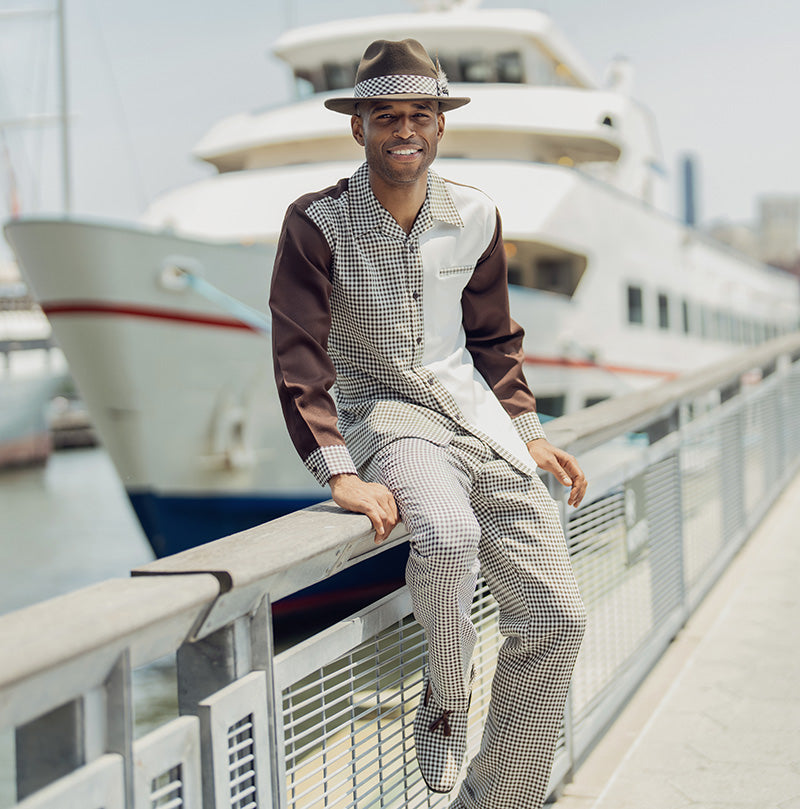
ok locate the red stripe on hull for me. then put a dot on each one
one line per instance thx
(149, 312)
(177, 316)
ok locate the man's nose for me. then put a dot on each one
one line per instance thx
(404, 128)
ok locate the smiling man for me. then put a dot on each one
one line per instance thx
(392, 287)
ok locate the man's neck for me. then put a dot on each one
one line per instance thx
(403, 202)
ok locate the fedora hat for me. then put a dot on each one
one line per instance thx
(397, 71)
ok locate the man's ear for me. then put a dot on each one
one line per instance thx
(357, 128)
(439, 126)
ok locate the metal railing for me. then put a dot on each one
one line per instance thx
(680, 475)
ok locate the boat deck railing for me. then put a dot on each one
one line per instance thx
(679, 476)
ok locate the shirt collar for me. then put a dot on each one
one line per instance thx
(442, 206)
(368, 214)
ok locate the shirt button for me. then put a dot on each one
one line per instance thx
(415, 296)
(419, 340)
(431, 381)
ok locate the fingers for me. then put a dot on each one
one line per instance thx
(383, 514)
(372, 499)
(578, 480)
(562, 465)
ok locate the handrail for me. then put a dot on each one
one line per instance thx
(587, 428)
(81, 634)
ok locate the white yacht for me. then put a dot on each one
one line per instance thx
(164, 321)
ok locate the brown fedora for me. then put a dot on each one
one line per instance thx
(395, 71)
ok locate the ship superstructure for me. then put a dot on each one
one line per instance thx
(163, 322)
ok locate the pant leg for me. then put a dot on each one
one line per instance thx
(525, 562)
(432, 490)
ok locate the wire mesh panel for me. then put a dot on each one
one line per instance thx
(757, 464)
(348, 725)
(665, 539)
(615, 590)
(167, 766)
(166, 789)
(701, 459)
(731, 476)
(233, 724)
(790, 407)
(241, 763)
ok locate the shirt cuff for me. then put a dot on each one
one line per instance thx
(528, 426)
(325, 462)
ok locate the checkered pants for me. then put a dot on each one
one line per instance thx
(467, 510)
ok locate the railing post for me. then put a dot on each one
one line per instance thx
(119, 719)
(263, 659)
(208, 665)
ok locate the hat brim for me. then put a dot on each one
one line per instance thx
(347, 106)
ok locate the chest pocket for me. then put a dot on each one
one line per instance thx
(447, 272)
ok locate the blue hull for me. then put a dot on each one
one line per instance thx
(173, 524)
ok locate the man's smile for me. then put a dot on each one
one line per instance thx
(405, 154)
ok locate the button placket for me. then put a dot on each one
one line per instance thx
(415, 284)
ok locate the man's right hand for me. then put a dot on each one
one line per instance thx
(373, 499)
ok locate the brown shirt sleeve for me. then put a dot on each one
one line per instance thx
(301, 321)
(494, 340)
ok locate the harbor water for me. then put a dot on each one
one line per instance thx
(65, 526)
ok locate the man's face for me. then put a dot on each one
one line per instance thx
(400, 138)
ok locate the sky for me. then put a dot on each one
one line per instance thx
(147, 79)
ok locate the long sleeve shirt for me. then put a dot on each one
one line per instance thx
(413, 330)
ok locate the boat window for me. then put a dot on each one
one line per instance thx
(685, 316)
(339, 76)
(550, 405)
(635, 309)
(303, 84)
(477, 68)
(704, 321)
(509, 68)
(726, 328)
(663, 311)
(736, 329)
(545, 267)
(451, 68)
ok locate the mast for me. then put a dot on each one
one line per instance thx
(66, 183)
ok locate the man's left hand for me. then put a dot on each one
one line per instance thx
(562, 465)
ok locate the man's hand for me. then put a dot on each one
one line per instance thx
(373, 499)
(562, 465)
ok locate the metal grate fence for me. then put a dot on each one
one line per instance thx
(680, 478)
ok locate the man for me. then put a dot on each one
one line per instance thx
(393, 285)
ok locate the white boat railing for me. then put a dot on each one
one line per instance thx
(680, 475)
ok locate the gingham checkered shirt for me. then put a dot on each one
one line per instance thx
(412, 331)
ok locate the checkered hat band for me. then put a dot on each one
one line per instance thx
(395, 85)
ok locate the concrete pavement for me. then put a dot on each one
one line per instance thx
(716, 725)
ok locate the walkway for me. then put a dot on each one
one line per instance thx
(717, 723)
